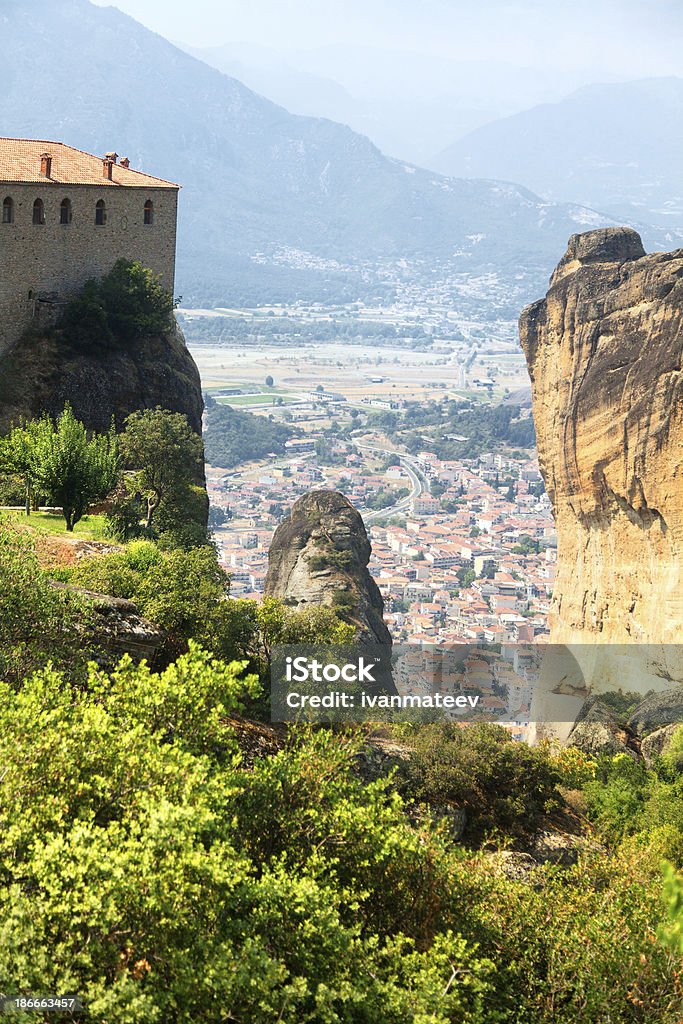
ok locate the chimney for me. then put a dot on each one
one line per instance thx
(107, 167)
(125, 162)
(46, 165)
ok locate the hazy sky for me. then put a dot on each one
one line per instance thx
(629, 37)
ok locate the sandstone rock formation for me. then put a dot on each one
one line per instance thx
(604, 351)
(319, 556)
(44, 371)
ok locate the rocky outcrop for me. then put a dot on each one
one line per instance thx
(119, 629)
(319, 556)
(657, 743)
(44, 371)
(115, 627)
(657, 711)
(604, 351)
(599, 731)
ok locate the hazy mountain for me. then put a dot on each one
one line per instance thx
(409, 104)
(615, 147)
(269, 199)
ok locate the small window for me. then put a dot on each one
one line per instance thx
(149, 212)
(65, 212)
(39, 212)
(101, 212)
(8, 211)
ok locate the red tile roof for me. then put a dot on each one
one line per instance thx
(20, 162)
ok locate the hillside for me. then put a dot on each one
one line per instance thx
(613, 147)
(273, 205)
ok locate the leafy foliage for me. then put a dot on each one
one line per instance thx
(503, 785)
(62, 461)
(127, 303)
(164, 456)
(37, 621)
(155, 893)
(186, 592)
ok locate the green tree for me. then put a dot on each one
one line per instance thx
(135, 301)
(20, 454)
(127, 303)
(73, 468)
(269, 381)
(164, 454)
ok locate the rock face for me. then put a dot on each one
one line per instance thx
(598, 731)
(319, 556)
(44, 371)
(604, 351)
(119, 630)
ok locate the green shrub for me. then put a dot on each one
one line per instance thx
(662, 842)
(127, 303)
(37, 621)
(501, 784)
(153, 893)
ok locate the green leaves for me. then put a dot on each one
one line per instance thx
(37, 621)
(75, 469)
(61, 460)
(145, 869)
(127, 303)
(164, 456)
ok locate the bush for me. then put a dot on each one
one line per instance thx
(37, 621)
(154, 893)
(127, 303)
(503, 785)
(662, 842)
(580, 946)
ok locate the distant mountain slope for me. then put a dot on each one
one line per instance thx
(259, 183)
(617, 147)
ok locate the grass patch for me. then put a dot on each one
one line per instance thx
(89, 528)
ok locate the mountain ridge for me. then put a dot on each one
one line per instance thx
(267, 195)
(609, 145)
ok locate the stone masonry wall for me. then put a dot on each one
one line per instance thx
(51, 261)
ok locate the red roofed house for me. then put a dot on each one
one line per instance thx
(67, 217)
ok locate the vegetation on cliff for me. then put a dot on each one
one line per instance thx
(115, 349)
(126, 304)
(154, 870)
(163, 865)
(168, 857)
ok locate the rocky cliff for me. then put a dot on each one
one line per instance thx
(319, 556)
(604, 350)
(44, 371)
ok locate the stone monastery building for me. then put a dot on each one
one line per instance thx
(67, 217)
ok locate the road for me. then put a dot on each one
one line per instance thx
(419, 484)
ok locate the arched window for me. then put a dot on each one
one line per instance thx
(39, 212)
(149, 212)
(65, 213)
(100, 212)
(8, 210)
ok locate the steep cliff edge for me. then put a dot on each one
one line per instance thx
(319, 556)
(45, 370)
(604, 352)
